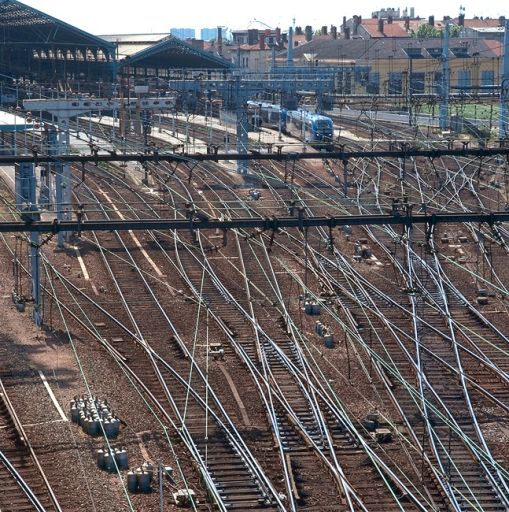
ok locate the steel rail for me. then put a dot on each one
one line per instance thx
(218, 285)
(236, 439)
(265, 363)
(30, 494)
(185, 435)
(260, 345)
(292, 327)
(21, 432)
(341, 417)
(411, 257)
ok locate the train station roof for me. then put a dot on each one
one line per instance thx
(129, 44)
(172, 52)
(38, 46)
(24, 25)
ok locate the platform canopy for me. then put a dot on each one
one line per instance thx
(37, 46)
(173, 53)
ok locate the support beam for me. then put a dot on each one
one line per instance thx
(445, 85)
(281, 157)
(63, 183)
(24, 187)
(504, 90)
(268, 224)
(76, 107)
(242, 128)
(26, 203)
(35, 260)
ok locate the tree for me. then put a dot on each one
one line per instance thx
(426, 31)
(454, 31)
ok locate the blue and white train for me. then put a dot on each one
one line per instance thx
(315, 129)
(310, 127)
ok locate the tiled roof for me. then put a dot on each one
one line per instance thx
(363, 50)
(481, 23)
(394, 29)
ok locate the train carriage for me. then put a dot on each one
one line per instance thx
(314, 128)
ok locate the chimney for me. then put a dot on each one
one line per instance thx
(381, 26)
(357, 20)
(289, 53)
(461, 20)
(389, 20)
(308, 31)
(220, 41)
(278, 35)
(407, 23)
(344, 23)
(334, 31)
(347, 32)
(431, 21)
(324, 30)
(261, 42)
(252, 36)
(196, 43)
(501, 21)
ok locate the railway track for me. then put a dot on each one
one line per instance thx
(436, 356)
(216, 442)
(23, 482)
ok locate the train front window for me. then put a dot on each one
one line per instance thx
(323, 125)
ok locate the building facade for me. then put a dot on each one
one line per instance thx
(400, 67)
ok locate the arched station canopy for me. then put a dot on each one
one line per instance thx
(37, 46)
(173, 53)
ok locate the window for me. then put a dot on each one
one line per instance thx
(395, 83)
(435, 53)
(373, 86)
(460, 52)
(417, 81)
(413, 53)
(464, 78)
(488, 77)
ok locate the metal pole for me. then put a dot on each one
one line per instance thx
(26, 202)
(36, 276)
(63, 182)
(345, 177)
(445, 85)
(161, 502)
(14, 143)
(242, 128)
(504, 91)
(410, 73)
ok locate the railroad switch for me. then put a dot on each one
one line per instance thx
(254, 194)
(383, 435)
(216, 350)
(482, 297)
(184, 497)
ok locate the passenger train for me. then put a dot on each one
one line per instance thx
(310, 127)
(267, 114)
(315, 129)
